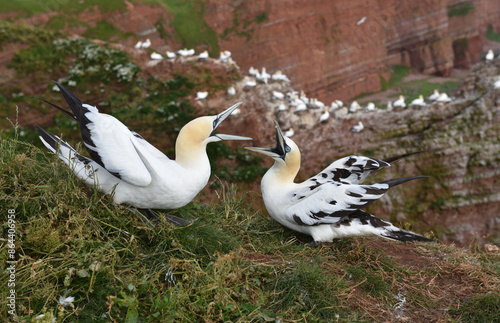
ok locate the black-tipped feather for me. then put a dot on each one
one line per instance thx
(397, 181)
(405, 236)
(74, 103)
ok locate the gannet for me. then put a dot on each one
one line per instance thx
(334, 106)
(490, 56)
(316, 104)
(138, 45)
(328, 205)
(301, 106)
(252, 71)
(434, 96)
(371, 106)
(419, 101)
(358, 128)
(250, 83)
(362, 20)
(129, 168)
(399, 103)
(303, 97)
(156, 56)
(203, 55)
(263, 76)
(201, 95)
(236, 112)
(186, 52)
(146, 44)
(354, 107)
(231, 90)
(443, 97)
(496, 85)
(282, 106)
(225, 55)
(324, 117)
(279, 76)
(389, 106)
(278, 95)
(289, 133)
(170, 55)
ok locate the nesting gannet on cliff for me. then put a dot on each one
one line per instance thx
(278, 95)
(203, 55)
(201, 95)
(186, 52)
(328, 205)
(316, 104)
(231, 90)
(146, 44)
(358, 128)
(303, 97)
(289, 133)
(370, 106)
(170, 55)
(443, 97)
(354, 107)
(324, 117)
(496, 85)
(399, 103)
(263, 76)
(129, 168)
(418, 101)
(225, 55)
(250, 83)
(301, 106)
(279, 76)
(389, 106)
(334, 106)
(434, 96)
(252, 71)
(282, 106)
(138, 45)
(156, 56)
(490, 56)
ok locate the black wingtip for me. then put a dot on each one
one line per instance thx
(397, 181)
(406, 236)
(392, 159)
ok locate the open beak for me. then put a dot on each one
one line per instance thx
(276, 152)
(221, 117)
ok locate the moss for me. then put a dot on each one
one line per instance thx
(461, 8)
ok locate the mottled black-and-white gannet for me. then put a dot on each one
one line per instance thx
(434, 96)
(490, 55)
(358, 127)
(328, 205)
(418, 101)
(399, 103)
(129, 168)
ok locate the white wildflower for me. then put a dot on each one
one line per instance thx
(65, 301)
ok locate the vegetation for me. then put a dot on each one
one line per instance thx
(461, 8)
(491, 35)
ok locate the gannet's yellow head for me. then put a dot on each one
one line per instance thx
(286, 155)
(197, 133)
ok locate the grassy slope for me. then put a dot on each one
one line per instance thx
(231, 264)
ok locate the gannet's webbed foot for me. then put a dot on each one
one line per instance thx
(314, 244)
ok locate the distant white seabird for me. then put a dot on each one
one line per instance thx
(358, 128)
(490, 56)
(328, 205)
(434, 96)
(399, 103)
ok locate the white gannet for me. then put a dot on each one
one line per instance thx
(282, 106)
(324, 117)
(316, 104)
(389, 106)
(146, 44)
(250, 83)
(133, 171)
(496, 85)
(201, 95)
(278, 95)
(170, 55)
(490, 56)
(138, 45)
(231, 90)
(328, 205)
(289, 133)
(203, 55)
(301, 106)
(354, 107)
(399, 103)
(279, 76)
(443, 97)
(252, 71)
(156, 56)
(434, 96)
(339, 103)
(358, 128)
(186, 52)
(334, 106)
(418, 101)
(263, 76)
(371, 106)
(225, 55)
(303, 97)
(236, 112)
(362, 20)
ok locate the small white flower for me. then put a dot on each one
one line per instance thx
(71, 83)
(40, 316)
(65, 301)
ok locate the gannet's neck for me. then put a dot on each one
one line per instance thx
(284, 172)
(191, 144)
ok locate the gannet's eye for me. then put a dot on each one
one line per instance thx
(288, 149)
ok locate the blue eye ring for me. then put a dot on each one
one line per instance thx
(288, 149)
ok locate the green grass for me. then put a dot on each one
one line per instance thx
(33, 7)
(398, 73)
(461, 8)
(105, 31)
(491, 35)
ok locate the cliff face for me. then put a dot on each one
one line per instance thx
(331, 52)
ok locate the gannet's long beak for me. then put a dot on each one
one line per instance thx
(277, 152)
(221, 117)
